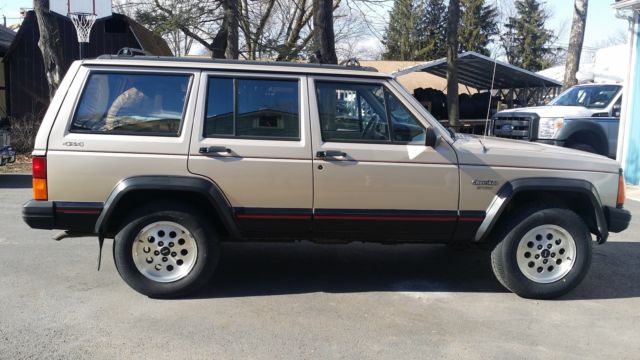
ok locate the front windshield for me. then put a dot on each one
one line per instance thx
(592, 97)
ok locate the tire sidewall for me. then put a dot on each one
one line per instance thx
(571, 223)
(206, 259)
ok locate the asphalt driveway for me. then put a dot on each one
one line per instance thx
(306, 301)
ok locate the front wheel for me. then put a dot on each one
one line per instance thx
(544, 254)
(166, 250)
(583, 147)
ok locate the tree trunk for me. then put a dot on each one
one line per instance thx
(452, 67)
(575, 43)
(324, 37)
(232, 35)
(218, 46)
(50, 45)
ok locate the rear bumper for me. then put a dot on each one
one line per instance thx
(79, 217)
(617, 219)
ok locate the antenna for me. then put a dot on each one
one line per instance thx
(493, 79)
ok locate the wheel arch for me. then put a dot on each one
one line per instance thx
(202, 193)
(576, 194)
(586, 132)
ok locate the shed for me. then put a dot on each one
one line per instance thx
(516, 85)
(27, 89)
(6, 38)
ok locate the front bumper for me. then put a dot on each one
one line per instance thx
(77, 217)
(617, 219)
(7, 155)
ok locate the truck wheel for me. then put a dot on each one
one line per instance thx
(543, 254)
(583, 147)
(166, 250)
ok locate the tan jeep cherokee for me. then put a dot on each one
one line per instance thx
(170, 157)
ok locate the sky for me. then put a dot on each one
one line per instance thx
(601, 22)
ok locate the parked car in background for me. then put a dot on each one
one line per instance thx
(7, 153)
(584, 117)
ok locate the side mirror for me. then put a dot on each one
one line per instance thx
(615, 111)
(430, 137)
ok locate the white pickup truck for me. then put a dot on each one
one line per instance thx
(584, 117)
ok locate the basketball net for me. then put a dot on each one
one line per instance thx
(83, 22)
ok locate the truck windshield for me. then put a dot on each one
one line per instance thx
(592, 96)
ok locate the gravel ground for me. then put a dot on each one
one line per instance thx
(306, 301)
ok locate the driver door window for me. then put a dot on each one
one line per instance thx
(352, 112)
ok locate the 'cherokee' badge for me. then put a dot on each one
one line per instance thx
(484, 182)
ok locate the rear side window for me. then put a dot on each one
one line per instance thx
(136, 104)
(252, 108)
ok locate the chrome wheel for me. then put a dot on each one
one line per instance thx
(546, 253)
(164, 251)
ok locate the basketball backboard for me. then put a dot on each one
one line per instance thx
(101, 8)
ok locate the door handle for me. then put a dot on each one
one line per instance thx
(214, 149)
(330, 154)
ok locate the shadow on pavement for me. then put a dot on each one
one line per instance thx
(277, 269)
(252, 269)
(15, 181)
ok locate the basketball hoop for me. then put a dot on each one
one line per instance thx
(83, 15)
(83, 22)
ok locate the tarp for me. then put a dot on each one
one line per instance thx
(476, 70)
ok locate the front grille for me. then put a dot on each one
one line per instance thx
(512, 127)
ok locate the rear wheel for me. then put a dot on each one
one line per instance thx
(166, 250)
(544, 253)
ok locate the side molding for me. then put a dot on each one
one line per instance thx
(207, 189)
(510, 189)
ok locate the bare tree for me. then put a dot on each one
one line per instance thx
(231, 13)
(452, 56)
(324, 37)
(50, 44)
(281, 30)
(575, 43)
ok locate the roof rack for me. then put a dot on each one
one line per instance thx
(128, 53)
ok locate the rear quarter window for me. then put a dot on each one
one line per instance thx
(135, 104)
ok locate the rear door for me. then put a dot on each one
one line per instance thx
(251, 137)
(374, 178)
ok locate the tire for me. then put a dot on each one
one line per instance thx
(166, 250)
(583, 147)
(567, 260)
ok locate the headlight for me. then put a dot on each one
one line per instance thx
(548, 127)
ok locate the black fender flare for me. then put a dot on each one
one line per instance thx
(206, 188)
(510, 189)
(574, 126)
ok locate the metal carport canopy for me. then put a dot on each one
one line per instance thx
(476, 70)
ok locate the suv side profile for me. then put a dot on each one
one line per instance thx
(171, 157)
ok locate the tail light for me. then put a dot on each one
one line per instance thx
(39, 169)
(621, 193)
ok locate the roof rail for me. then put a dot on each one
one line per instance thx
(138, 54)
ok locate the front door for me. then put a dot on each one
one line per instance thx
(374, 178)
